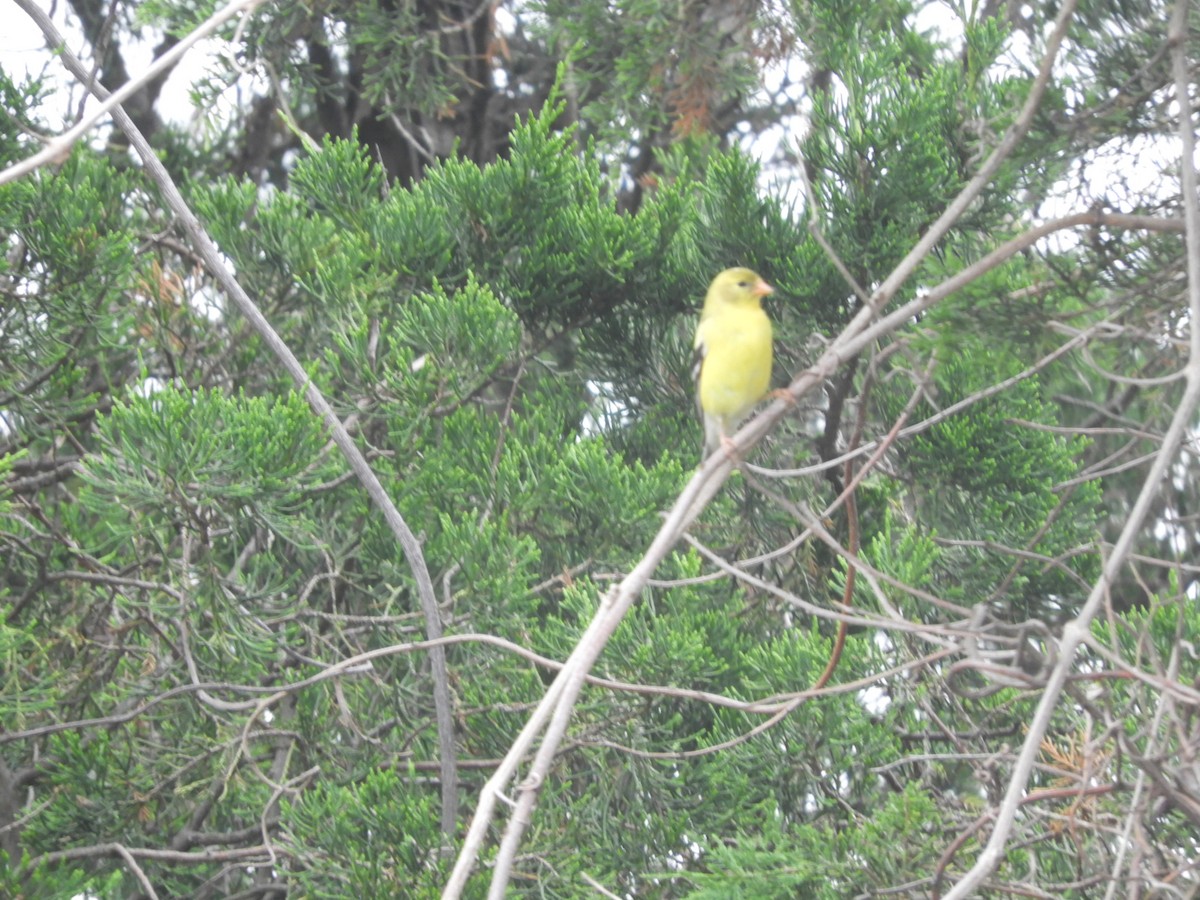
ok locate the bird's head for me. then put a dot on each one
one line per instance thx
(738, 287)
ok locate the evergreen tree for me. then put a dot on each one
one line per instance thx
(484, 229)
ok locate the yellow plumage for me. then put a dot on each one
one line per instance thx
(733, 353)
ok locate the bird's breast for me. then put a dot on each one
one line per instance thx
(737, 363)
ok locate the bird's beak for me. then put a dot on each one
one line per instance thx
(762, 289)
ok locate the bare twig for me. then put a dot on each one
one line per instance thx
(136, 869)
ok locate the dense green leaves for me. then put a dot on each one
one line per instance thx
(189, 575)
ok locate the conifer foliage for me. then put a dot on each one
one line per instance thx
(931, 637)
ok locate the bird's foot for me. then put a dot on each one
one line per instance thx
(731, 452)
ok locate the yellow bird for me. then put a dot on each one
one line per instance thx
(732, 367)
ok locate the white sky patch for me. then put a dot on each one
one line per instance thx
(22, 47)
(210, 302)
(943, 20)
(1123, 176)
(506, 23)
(23, 56)
(778, 146)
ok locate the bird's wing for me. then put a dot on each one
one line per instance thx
(699, 352)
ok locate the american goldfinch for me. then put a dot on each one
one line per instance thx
(732, 367)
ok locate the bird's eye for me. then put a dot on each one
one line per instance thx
(743, 284)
